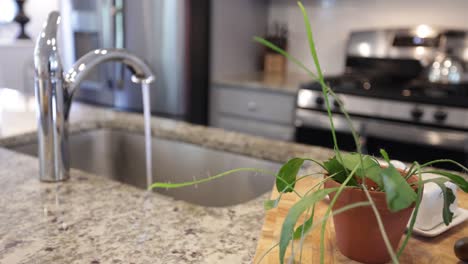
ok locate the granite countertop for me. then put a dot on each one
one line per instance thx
(92, 219)
(281, 83)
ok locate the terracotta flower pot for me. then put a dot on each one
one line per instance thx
(357, 233)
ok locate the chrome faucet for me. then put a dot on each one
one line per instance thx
(54, 93)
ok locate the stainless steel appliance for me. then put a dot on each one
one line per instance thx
(171, 35)
(391, 101)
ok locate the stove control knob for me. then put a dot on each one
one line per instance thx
(417, 114)
(440, 116)
(336, 104)
(319, 101)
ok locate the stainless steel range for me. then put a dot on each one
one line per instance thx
(406, 91)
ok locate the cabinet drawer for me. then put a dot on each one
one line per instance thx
(263, 105)
(254, 127)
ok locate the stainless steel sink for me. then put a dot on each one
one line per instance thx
(120, 155)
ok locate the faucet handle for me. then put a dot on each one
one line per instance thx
(46, 55)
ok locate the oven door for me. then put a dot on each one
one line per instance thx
(405, 142)
(418, 143)
(313, 128)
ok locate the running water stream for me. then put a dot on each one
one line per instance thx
(147, 118)
(146, 232)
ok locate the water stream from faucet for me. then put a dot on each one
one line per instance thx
(145, 230)
(147, 118)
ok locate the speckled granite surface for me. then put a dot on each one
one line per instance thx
(91, 219)
(288, 83)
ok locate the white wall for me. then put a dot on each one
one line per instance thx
(16, 64)
(332, 20)
(233, 25)
(37, 11)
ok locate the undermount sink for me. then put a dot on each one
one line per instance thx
(120, 155)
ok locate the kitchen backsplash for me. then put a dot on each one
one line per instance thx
(332, 20)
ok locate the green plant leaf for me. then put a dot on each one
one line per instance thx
(398, 192)
(465, 169)
(293, 215)
(367, 166)
(270, 204)
(456, 179)
(302, 229)
(168, 185)
(340, 172)
(415, 212)
(375, 174)
(287, 175)
(411, 171)
(321, 79)
(385, 155)
(335, 168)
(449, 198)
(351, 160)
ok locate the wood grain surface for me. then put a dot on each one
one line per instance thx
(419, 250)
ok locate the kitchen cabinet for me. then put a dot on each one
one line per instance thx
(256, 111)
(17, 67)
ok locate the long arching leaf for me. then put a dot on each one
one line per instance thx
(449, 199)
(293, 215)
(456, 179)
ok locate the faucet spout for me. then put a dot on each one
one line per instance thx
(81, 68)
(54, 92)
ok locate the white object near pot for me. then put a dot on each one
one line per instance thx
(429, 221)
(430, 210)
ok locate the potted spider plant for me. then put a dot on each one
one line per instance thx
(371, 203)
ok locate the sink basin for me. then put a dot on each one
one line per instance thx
(120, 155)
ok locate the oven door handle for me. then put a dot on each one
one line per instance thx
(406, 133)
(315, 119)
(414, 134)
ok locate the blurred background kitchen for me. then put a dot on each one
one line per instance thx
(399, 67)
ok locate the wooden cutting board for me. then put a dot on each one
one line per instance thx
(419, 250)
